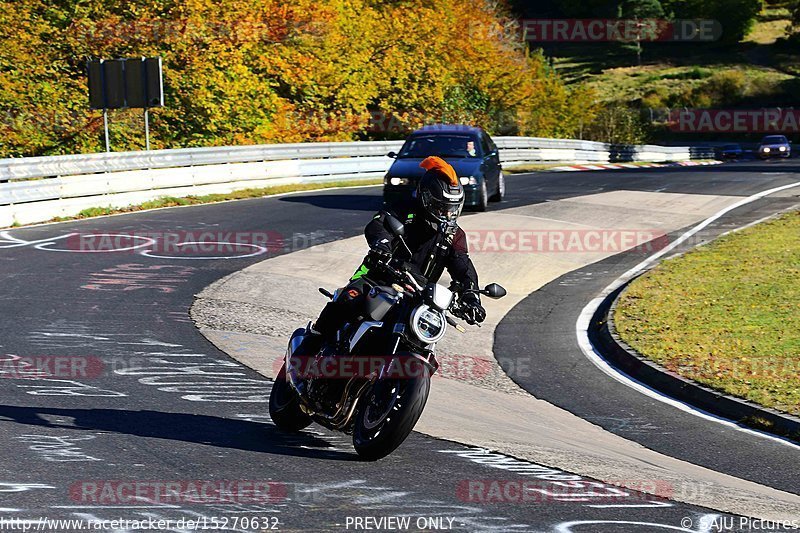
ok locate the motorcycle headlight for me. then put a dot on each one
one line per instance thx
(428, 325)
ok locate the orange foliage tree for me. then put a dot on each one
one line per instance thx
(262, 71)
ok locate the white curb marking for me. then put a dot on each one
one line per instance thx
(582, 326)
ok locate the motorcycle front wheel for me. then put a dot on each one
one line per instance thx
(284, 405)
(388, 413)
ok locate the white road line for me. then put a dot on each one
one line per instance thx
(582, 326)
(19, 242)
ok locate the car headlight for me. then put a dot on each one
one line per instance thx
(766, 149)
(472, 180)
(782, 148)
(394, 180)
(427, 324)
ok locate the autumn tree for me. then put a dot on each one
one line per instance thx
(264, 71)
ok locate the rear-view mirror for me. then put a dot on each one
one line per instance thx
(394, 225)
(493, 290)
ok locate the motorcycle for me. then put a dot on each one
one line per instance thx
(373, 379)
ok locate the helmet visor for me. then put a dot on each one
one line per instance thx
(443, 211)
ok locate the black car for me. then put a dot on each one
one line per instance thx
(471, 152)
(774, 146)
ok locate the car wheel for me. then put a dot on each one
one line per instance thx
(483, 197)
(501, 189)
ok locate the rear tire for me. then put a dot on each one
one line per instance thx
(284, 405)
(483, 197)
(388, 413)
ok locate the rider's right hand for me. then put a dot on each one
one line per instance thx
(377, 260)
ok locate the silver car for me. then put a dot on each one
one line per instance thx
(774, 146)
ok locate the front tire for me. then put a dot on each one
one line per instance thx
(388, 413)
(284, 405)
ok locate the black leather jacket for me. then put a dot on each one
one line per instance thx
(433, 249)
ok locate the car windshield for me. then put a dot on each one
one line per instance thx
(460, 146)
(774, 139)
(731, 147)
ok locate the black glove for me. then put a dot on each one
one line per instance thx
(380, 251)
(472, 310)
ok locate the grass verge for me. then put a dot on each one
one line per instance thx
(726, 315)
(172, 201)
(522, 169)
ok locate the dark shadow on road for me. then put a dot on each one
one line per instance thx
(352, 202)
(184, 427)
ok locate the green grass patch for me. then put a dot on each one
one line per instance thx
(726, 315)
(172, 201)
(664, 85)
(760, 71)
(771, 28)
(522, 169)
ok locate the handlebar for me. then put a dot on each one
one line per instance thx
(403, 275)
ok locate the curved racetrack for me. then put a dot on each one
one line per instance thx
(140, 396)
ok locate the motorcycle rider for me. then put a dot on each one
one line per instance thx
(434, 240)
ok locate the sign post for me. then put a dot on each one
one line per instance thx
(147, 128)
(105, 128)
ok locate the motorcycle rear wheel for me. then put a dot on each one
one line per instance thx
(388, 414)
(284, 405)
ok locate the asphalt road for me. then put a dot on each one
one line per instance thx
(543, 328)
(144, 398)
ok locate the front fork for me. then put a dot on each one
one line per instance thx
(428, 357)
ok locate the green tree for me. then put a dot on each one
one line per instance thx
(736, 17)
(589, 8)
(618, 124)
(794, 29)
(641, 9)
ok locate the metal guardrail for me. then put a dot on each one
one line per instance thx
(40, 188)
(70, 165)
(513, 149)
